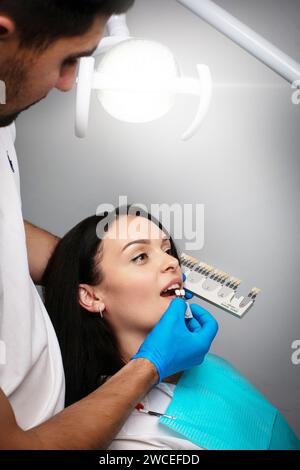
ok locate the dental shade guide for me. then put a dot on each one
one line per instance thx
(215, 286)
(188, 313)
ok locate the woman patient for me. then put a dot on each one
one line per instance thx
(105, 289)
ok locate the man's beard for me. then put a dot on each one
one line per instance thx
(8, 120)
(14, 73)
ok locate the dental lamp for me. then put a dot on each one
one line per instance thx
(137, 80)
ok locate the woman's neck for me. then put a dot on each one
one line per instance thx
(129, 345)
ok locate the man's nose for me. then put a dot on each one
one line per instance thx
(66, 79)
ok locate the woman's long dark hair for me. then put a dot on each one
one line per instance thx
(88, 344)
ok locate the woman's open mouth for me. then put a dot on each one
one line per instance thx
(173, 291)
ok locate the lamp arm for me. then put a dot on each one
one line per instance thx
(245, 37)
(117, 26)
(118, 32)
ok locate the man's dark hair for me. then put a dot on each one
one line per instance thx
(41, 22)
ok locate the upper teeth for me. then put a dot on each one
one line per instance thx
(174, 286)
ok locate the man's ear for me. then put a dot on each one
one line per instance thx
(7, 27)
(89, 300)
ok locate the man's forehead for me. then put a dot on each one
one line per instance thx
(86, 43)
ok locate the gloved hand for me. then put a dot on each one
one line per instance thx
(176, 344)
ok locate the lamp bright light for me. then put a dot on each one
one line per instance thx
(140, 72)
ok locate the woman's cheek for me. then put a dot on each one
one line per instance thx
(139, 284)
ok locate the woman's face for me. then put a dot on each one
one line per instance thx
(136, 266)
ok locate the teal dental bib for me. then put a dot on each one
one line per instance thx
(217, 408)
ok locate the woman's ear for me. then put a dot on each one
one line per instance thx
(89, 300)
(7, 27)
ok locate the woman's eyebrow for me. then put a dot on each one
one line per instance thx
(144, 241)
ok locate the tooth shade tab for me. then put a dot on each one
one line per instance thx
(180, 292)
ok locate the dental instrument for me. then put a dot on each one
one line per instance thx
(140, 407)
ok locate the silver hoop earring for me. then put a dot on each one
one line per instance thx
(101, 313)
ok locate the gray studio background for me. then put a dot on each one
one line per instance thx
(244, 165)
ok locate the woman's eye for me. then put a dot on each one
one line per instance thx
(140, 258)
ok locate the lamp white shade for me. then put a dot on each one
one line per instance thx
(142, 71)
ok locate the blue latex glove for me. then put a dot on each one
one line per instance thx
(188, 295)
(176, 344)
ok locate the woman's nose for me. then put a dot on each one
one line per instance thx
(169, 263)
